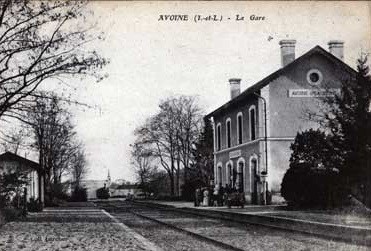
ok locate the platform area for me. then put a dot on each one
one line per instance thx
(352, 227)
(77, 226)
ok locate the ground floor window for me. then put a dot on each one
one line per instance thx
(219, 174)
(229, 174)
(240, 183)
(254, 180)
(234, 177)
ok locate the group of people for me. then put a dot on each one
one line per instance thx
(213, 195)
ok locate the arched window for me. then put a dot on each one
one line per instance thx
(254, 179)
(240, 175)
(228, 132)
(252, 122)
(239, 128)
(219, 174)
(218, 137)
(229, 173)
(234, 177)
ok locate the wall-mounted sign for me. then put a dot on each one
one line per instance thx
(309, 93)
(235, 154)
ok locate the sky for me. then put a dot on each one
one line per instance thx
(152, 59)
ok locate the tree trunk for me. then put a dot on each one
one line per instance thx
(171, 177)
(178, 177)
(172, 185)
(41, 181)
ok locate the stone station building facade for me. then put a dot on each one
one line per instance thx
(254, 130)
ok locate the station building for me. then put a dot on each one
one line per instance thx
(254, 130)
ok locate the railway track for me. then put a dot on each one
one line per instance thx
(198, 236)
(153, 229)
(193, 232)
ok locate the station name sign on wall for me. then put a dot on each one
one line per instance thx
(235, 154)
(309, 93)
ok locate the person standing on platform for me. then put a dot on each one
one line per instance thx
(198, 197)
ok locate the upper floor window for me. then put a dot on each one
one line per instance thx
(220, 176)
(252, 122)
(218, 135)
(228, 132)
(239, 128)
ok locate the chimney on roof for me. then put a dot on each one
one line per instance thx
(235, 87)
(287, 51)
(336, 48)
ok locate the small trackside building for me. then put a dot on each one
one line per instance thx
(254, 130)
(10, 162)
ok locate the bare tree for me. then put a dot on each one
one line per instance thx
(41, 40)
(158, 140)
(54, 138)
(189, 124)
(79, 165)
(14, 140)
(142, 161)
(170, 134)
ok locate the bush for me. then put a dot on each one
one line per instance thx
(3, 201)
(12, 214)
(58, 191)
(79, 194)
(189, 188)
(50, 201)
(17, 201)
(2, 218)
(103, 193)
(306, 186)
(34, 205)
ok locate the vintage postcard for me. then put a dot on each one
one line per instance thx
(185, 125)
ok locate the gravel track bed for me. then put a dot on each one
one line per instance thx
(65, 231)
(249, 237)
(166, 238)
(244, 236)
(67, 218)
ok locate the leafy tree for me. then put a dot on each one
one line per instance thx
(349, 121)
(312, 179)
(346, 145)
(314, 148)
(11, 182)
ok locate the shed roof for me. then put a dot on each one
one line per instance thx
(8, 156)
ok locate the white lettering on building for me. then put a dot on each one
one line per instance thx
(235, 154)
(309, 93)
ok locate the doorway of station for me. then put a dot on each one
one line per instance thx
(254, 181)
(240, 180)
